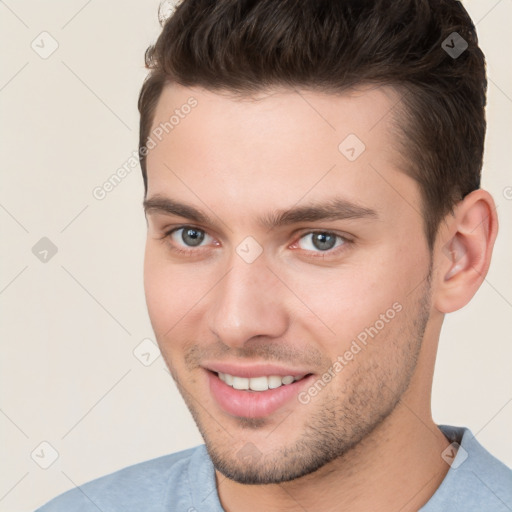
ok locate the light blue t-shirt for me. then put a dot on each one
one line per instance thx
(185, 482)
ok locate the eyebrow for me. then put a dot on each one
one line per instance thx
(166, 206)
(335, 208)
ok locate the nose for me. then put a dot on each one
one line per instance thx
(246, 303)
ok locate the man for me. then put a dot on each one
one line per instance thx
(312, 194)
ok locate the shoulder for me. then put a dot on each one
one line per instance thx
(476, 479)
(143, 486)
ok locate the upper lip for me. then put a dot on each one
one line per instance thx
(254, 370)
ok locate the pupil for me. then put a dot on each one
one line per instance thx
(192, 236)
(323, 241)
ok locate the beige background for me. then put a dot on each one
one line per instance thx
(69, 326)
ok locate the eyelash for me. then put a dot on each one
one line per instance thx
(313, 254)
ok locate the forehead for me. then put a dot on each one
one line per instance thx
(277, 148)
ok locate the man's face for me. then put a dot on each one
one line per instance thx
(281, 253)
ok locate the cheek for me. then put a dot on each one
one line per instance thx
(165, 293)
(174, 294)
(345, 301)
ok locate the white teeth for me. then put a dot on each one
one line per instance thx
(258, 383)
(274, 382)
(240, 383)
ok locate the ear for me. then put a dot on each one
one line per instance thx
(463, 250)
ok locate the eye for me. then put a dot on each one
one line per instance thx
(322, 241)
(189, 236)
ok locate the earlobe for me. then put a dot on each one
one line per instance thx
(464, 253)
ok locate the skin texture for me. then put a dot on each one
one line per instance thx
(370, 427)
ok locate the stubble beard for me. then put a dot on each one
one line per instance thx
(338, 422)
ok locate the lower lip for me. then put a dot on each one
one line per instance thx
(253, 404)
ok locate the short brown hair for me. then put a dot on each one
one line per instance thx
(248, 46)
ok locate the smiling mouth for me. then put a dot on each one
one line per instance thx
(262, 383)
(254, 394)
